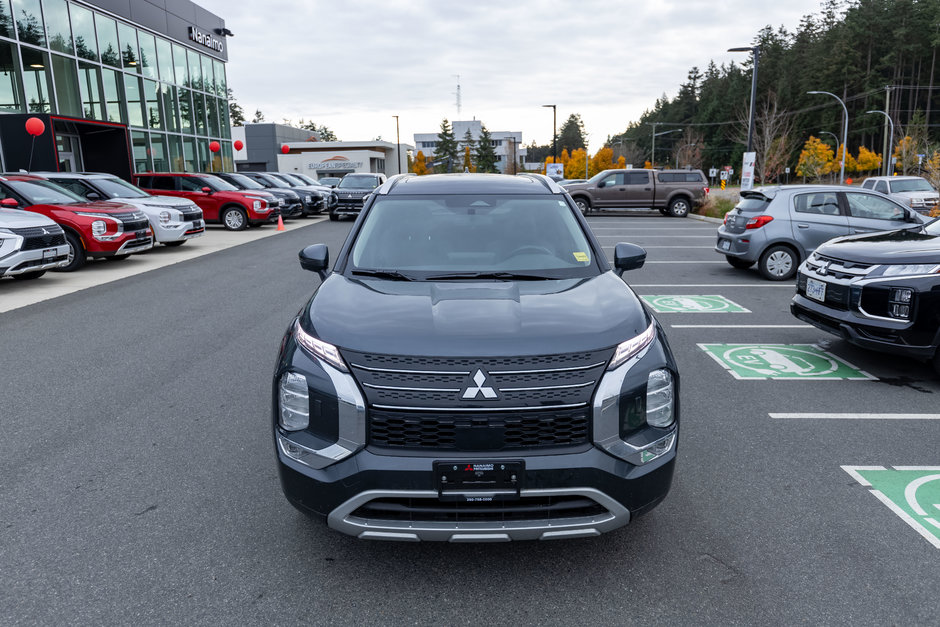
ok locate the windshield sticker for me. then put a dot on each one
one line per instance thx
(582, 257)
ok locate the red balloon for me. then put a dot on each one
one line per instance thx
(214, 146)
(285, 148)
(35, 126)
(238, 144)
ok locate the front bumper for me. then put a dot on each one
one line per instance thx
(128, 244)
(176, 231)
(22, 261)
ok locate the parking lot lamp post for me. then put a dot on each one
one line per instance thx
(653, 148)
(887, 157)
(677, 154)
(554, 134)
(845, 132)
(755, 51)
(397, 144)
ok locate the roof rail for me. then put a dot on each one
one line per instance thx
(394, 180)
(541, 178)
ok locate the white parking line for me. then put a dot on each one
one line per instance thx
(741, 326)
(827, 416)
(654, 228)
(712, 236)
(694, 285)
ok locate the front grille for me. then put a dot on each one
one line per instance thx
(191, 216)
(487, 431)
(526, 508)
(838, 296)
(837, 268)
(132, 221)
(39, 237)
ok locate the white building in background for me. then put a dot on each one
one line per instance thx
(506, 144)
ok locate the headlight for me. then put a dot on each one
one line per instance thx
(326, 352)
(164, 217)
(256, 205)
(294, 402)
(660, 399)
(911, 269)
(631, 347)
(98, 228)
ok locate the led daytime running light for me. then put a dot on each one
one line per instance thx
(633, 346)
(326, 352)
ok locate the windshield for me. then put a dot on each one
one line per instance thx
(933, 227)
(269, 181)
(594, 179)
(306, 179)
(218, 184)
(444, 237)
(910, 185)
(116, 188)
(244, 181)
(292, 179)
(44, 193)
(352, 181)
(752, 202)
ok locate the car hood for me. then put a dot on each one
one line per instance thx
(916, 195)
(904, 246)
(475, 319)
(574, 186)
(16, 219)
(169, 202)
(99, 206)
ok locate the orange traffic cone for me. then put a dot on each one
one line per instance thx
(280, 223)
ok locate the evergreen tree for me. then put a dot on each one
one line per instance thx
(485, 155)
(235, 112)
(447, 149)
(571, 137)
(259, 117)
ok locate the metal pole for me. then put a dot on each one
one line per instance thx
(397, 144)
(653, 148)
(888, 141)
(554, 132)
(845, 132)
(755, 53)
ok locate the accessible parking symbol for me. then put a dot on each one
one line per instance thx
(782, 361)
(911, 492)
(693, 304)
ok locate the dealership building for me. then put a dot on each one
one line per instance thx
(121, 86)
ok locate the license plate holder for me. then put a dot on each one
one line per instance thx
(479, 481)
(724, 244)
(48, 254)
(816, 289)
(142, 234)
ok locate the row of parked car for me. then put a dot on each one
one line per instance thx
(57, 220)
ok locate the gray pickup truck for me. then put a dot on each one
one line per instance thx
(673, 192)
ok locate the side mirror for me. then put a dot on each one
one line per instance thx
(602, 184)
(207, 190)
(93, 196)
(315, 258)
(628, 257)
(10, 203)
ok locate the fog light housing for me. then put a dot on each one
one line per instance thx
(293, 450)
(901, 295)
(658, 448)
(900, 311)
(294, 402)
(660, 398)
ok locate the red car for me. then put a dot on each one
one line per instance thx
(219, 200)
(110, 230)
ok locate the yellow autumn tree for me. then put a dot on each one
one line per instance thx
(467, 161)
(906, 154)
(420, 166)
(647, 165)
(602, 160)
(815, 159)
(868, 160)
(932, 174)
(564, 158)
(574, 169)
(621, 162)
(851, 165)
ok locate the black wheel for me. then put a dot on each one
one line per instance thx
(679, 208)
(664, 211)
(778, 263)
(333, 217)
(26, 276)
(584, 205)
(178, 242)
(76, 253)
(234, 218)
(737, 262)
(117, 257)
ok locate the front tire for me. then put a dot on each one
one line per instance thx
(27, 276)
(737, 262)
(778, 263)
(234, 218)
(584, 205)
(77, 253)
(679, 208)
(333, 217)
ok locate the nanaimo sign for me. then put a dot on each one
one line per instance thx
(205, 39)
(335, 163)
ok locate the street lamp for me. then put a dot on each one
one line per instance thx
(890, 141)
(397, 144)
(845, 132)
(677, 154)
(836, 139)
(554, 126)
(754, 50)
(655, 135)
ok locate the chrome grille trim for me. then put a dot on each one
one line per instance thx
(440, 372)
(548, 387)
(548, 370)
(480, 409)
(389, 387)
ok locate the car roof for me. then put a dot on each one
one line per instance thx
(76, 175)
(469, 184)
(16, 176)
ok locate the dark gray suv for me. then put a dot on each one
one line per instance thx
(778, 227)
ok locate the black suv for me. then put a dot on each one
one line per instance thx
(880, 291)
(352, 192)
(473, 370)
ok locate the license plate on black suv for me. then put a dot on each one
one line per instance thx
(477, 481)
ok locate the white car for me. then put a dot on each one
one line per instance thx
(30, 244)
(173, 220)
(913, 191)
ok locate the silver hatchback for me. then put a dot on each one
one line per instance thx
(778, 227)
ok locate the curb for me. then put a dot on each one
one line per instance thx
(696, 216)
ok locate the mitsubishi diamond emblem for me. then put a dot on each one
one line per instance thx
(44, 231)
(472, 391)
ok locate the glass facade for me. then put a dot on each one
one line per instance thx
(66, 58)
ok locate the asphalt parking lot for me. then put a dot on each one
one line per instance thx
(137, 478)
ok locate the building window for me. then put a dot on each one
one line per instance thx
(180, 65)
(195, 69)
(36, 81)
(89, 79)
(152, 104)
(68, 95)
(221, 86)
(6, 19)
(141, 149)
(212, 113)
(175, 144)
(208, 76)
(199, 113)
(57, 26)
(108, 40)
(130, 55)
(83, 29)
(10, 98)
(165, 60)
(171, 112)
(186, 110)
(29, 22)
(113, 95)
(158, 152)
(148, 55)
(135, 101)
(189, 154)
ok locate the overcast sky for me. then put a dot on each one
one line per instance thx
(353, 65)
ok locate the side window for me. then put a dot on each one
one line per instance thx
(191, 184)
(881, 186)
(76, 187)
(871, 206)
(162, 182)
(869, 184)
(695, 177)
(637, 178)
(666, 177)
(821, 203)
(613, 179)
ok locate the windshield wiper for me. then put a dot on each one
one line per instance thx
(384, 274)
(505, 276)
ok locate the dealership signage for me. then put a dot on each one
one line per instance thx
(335, 163)
(205, 39)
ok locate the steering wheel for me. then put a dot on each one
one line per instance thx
(531, 249)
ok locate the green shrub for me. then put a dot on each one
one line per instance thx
(716, 207)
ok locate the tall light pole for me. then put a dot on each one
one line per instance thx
(755, 51)
(554, 126)
(845, 132)
(890, 141)
(655, 135)
(680, 150)
(397, 144)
